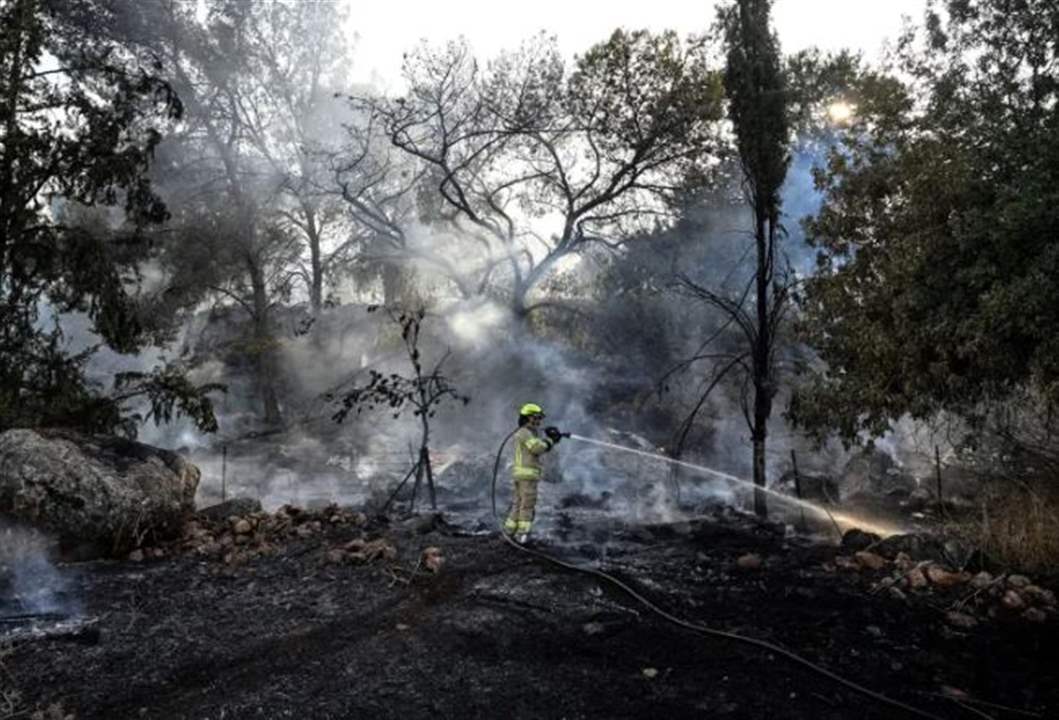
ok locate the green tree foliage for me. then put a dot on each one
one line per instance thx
(937, 285)
(80, 116)
(757, 103)
(251, 223)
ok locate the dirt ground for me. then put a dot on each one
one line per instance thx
(499, 634)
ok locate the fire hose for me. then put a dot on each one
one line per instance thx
(694, 627)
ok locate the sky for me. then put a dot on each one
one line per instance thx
(384, 30)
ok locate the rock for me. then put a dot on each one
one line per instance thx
(982, 580)
(371, 551)
(650, 673)
(1039, 596)
(846, 563)
(903, 562)
(468, 477)
(920, 497)
(239, 507)
(136, 556)
(916, 579)
(423, 524)
(1034, 615)
(873, 472)
(855, 539)
(592, 628)
(943, 578)
(104, 492)
(242, 526)
(897, 594)
(293, 512)
(961, 620)
(917, 546)
(750, 561)
(814, 487)
(960, 554)
(1018, 581)
(336, 557)
(1012, 600)
(432, 559)
(869, 560)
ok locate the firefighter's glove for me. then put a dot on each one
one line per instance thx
(553, 434)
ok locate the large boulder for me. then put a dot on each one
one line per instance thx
(814, 487)
(872, 472)
(471, 476)
(99, 495)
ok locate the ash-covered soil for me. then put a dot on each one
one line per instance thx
(294, 633)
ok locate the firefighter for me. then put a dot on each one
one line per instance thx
(527, 469)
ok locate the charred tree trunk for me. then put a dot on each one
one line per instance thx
(424, 453)
(313, 229)
(762, 371)
(316, 286)
(9, 205)
(263, 345)
(393, 283)
(756, 87)
(519, 310)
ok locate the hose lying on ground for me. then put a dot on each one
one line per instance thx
(702, 629)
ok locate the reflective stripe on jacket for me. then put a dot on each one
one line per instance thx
(528, 449)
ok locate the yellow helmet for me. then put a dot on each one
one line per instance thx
(531, 409)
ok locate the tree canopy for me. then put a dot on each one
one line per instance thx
(594, 151)
(80, 117)
(938, 238)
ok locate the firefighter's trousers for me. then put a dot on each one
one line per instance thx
(523, 505)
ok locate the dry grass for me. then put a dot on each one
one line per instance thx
(1017, 526)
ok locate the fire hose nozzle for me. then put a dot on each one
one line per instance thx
(555, 433)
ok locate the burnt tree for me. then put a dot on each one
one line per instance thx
(424, 391)
(757, 106)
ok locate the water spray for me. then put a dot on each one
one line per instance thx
(842, 518)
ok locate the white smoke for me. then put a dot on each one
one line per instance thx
(475, 323)
(29, 582)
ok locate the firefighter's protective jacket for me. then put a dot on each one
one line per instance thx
(528, 449)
